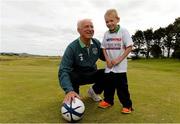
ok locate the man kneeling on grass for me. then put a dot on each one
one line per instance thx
(78, 64)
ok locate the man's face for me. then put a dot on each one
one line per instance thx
(86, 30)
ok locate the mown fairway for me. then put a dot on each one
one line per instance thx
(29, 92)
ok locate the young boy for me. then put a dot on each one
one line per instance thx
(117, 44)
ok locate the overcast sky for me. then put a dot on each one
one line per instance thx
(46, 27)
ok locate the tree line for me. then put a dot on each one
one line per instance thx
(163, 42)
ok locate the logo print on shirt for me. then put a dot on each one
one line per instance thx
(114, 39)
(81, 57)
(95, 50)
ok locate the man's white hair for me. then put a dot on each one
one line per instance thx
(79, 24)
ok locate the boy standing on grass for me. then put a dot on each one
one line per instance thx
(117, 44)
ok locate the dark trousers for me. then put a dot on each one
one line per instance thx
(117, 81)
(82, 78)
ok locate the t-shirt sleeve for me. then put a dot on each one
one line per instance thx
(127, 38)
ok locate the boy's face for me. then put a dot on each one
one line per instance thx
(111, 22)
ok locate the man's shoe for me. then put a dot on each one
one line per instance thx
(104, 104)
(93, 95)
(126, 110)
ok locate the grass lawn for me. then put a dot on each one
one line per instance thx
(30, 93)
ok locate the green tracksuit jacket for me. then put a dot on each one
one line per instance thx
(78, 58)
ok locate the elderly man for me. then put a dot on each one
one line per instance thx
(78, 64)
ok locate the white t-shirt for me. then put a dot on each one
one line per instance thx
(115, 44)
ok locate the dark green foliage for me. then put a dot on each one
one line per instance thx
(155, 51)
(167, 39)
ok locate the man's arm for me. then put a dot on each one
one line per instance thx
(101, 56)
(64, 76)
(65, 70)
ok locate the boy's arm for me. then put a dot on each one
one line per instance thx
(108, 60)
(123, 56)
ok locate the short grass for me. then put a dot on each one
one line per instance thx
(30, 93)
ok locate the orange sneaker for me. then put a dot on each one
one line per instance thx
(126, 110)
(104, 104)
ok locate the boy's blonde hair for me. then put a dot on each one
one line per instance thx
(112, 13)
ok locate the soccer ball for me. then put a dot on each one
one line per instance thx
(74, 111)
